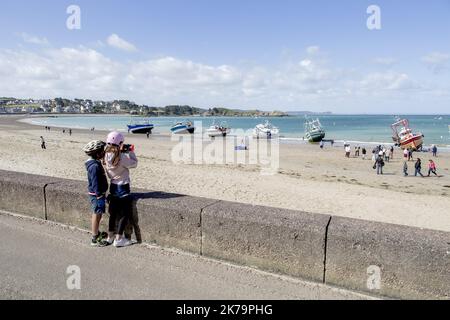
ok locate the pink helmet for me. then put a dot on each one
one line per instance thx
(115, 138)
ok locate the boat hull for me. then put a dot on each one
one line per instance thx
(264, 133)
(140, 129)
(182, 130)
(414, 142)
(217, 133)
(315, 136)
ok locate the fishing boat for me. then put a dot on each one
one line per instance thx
(265, 131)
(182, 127)
(218, 130)
(142, 127)
(314, 131)
(404, 137)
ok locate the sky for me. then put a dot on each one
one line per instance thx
(287, 55)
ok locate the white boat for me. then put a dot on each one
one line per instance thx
(265, 131)
(314, 131)
(182, 127)
(218, 130)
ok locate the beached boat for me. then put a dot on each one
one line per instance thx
(265, 131)
(182, 127)
(218, 130)
(142, 127)
(314, 131)
(404, 137)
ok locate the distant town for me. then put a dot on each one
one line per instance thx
(87, 106)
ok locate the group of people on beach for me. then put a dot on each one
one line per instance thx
(407, 156)
(112, 159)
(70, 131)
(381, 154)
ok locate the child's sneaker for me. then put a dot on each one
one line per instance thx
(122, 243)
(103, 235)
(98, 242)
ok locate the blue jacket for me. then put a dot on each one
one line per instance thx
(97, 182)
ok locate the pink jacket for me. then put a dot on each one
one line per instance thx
(120, 174)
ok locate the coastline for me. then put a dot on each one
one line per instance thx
(283, 139)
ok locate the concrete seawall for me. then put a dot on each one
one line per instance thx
(382, 259)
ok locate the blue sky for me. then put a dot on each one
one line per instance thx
(289, 55)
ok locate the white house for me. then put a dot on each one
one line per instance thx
(116, 106)
(57, 109)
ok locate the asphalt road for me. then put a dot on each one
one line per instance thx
(35, 256)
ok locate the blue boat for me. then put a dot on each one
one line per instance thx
(182, 127)
(140, 128)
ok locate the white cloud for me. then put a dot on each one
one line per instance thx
(437, 61)
(312, 50)
(84, 72)
(33, 39)
(392, 81)
(115, 41)
(385, 61)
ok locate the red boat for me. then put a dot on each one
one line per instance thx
(404, 137)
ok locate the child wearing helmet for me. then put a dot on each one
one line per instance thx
(119, 158)
(97, 187)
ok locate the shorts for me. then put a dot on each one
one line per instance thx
(98, 205)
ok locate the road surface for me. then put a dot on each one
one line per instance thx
(35, 256)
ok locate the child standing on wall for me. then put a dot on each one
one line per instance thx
(97, 187)
(119, 158)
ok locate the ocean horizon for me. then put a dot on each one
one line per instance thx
(358, 128)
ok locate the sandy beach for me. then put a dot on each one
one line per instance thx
(309, 179)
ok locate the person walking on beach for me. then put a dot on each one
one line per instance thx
(347, 151)
(43, 147)
(364, 152)
(391, 153)
(431, 167)
(386, 155)
(97, 187)
(410, 154)
(119, 158)
(405, 168)
(357, 149)
(434, 150)
(418, 167)
(383, 150)
(70, 132)
(379, 163)
(374, 154)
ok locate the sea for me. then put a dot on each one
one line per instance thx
(360, 129)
